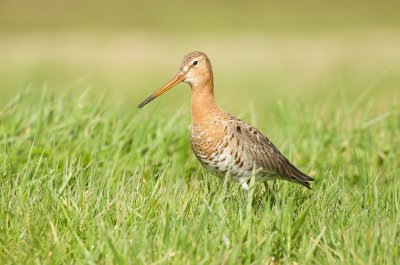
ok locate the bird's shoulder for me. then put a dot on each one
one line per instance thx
(248, 134)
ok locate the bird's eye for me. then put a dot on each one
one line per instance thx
(195, 62)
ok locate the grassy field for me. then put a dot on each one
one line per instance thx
(87, 178)
(92, 184)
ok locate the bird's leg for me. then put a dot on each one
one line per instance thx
(270, 194)
(267, 191)
(245, 185)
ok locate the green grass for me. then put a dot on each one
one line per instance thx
(83, 181)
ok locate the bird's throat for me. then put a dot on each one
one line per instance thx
(204, 107)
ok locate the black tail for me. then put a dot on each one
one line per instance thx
(299, 177)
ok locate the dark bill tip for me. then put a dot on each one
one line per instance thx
(147, 100)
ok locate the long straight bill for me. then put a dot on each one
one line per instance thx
(177, 79)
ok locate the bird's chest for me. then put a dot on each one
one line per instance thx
(215, 148)
(208, 144)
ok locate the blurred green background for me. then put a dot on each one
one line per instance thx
(314, 52)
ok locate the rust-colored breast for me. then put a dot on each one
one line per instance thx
(219, 150)
(208, 141)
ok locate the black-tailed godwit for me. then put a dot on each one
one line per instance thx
(223, 143)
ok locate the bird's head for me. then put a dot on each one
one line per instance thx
(195, 70)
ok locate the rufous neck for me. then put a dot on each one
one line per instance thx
(204, 107)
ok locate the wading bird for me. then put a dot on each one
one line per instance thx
(223, 143)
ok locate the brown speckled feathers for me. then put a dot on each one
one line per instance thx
(265, 155)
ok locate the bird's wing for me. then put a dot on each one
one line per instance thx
(264, 153)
